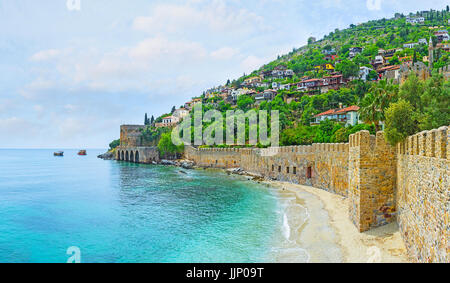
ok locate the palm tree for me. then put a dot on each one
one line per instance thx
(374, 104)
(369, 111)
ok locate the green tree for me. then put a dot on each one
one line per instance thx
(166, 147)
(245, 102)
(146, 122)
(114, 144)
(369, 111)
(348, 68)
(435, 103)
(412, 90)
(399, 122)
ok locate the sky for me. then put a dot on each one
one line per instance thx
(71, 72)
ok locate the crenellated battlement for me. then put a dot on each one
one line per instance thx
(407, 183)
(432, 143)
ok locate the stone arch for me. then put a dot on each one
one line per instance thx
(127, 156)
(136, 157)
(122, 155)
(118, 155)
(131, 156)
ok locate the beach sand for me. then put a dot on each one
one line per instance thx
(383, 244)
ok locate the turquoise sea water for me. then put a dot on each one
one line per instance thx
(121, 212)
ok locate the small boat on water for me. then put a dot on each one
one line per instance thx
(82, 152)
(58, 153)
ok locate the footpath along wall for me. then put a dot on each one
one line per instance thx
(384, 184)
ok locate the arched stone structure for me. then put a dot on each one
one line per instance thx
(136, 156)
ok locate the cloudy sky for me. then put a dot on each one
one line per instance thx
(69, 77)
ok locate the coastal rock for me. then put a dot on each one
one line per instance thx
(186, 164)
(235, 171)
(168, 162)
(106, 156)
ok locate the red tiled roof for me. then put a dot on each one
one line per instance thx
(339, 111)
(388, 68)
(329, 112)
(348, 109)
(310, 80)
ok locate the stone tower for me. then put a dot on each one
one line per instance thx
(430, 54)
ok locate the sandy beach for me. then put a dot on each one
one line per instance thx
(383, 244)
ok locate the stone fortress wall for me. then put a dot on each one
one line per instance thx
(423, 196)
(407, 184)
(131, 147)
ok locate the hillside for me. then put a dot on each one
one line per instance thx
(362, 77)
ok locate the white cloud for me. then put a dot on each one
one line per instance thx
(18, 127)
(45, 55)
(224, 53)
(215, 16)
(373, 5)
(252, 63)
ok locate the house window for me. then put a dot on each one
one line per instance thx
(294, 171)
(287, 170)
(309, 172)
(273, 167)
(279, 169)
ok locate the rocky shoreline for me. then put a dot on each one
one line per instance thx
(188, 164)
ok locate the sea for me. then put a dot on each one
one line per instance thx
(85, 209)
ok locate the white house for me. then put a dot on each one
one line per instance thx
(364, 72)
(285, 87)
(348, 115)
(410, 45)
(276, 85)
(180, 113)
(423, 41)
(415, 20)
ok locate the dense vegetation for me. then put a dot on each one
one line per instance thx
(414, 106)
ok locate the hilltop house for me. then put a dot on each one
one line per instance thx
(180, 113)
(330, 57)
(329, 51)
(390, 72)
(169, 121)
(414, 20)
(353, 51)
(422, 41)
(442, 35)
(252, 81)
(331, 82)
(267, 95)
(327, 67)
(281, 72)
(190, 104)
(238, 92)
(323, 85)
(310, 85)
(276, 85)
(348, 116)
(364, 72)
(410, 45)
(285, 87)
(378, 61)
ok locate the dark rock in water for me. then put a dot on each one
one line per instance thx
(106, 156)
(168, 162)
(183, 172)
(187, 164)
